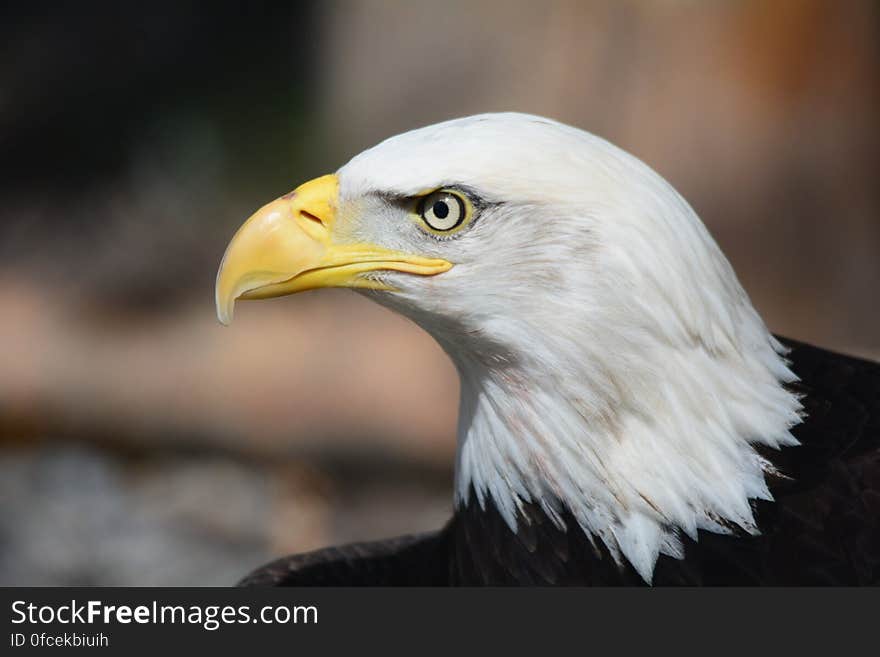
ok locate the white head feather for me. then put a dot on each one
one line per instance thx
(610, 361)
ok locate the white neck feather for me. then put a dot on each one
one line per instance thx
(636, 461)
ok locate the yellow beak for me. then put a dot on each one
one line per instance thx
(288, 246)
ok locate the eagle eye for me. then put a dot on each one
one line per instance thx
(444, 210)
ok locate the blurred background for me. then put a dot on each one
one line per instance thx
(141, 443)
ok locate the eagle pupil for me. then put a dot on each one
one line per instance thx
(441, 210)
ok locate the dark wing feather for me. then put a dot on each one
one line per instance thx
(418, 560)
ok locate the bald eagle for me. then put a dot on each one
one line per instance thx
(625, 416)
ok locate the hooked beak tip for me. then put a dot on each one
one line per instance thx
(225, 311)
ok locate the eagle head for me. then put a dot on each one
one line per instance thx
(612, 366)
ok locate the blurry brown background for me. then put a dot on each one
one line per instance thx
(141, 443)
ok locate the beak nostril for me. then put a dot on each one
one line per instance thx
(311, 217)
